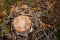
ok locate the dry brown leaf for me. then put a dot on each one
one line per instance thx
(14, 9)
(36, 8)
(2, 15)
(44, 26)
(48, 4)
(24, 6)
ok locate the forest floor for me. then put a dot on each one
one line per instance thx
(44, 14)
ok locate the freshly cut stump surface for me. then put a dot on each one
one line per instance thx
(22, 23)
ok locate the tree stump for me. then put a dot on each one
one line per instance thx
(22, 23)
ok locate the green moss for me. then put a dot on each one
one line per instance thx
(58, 24)
(0, 21)
(58, 34)
(0, 32)
(32, 2)
(7, 3)
(6, 28)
